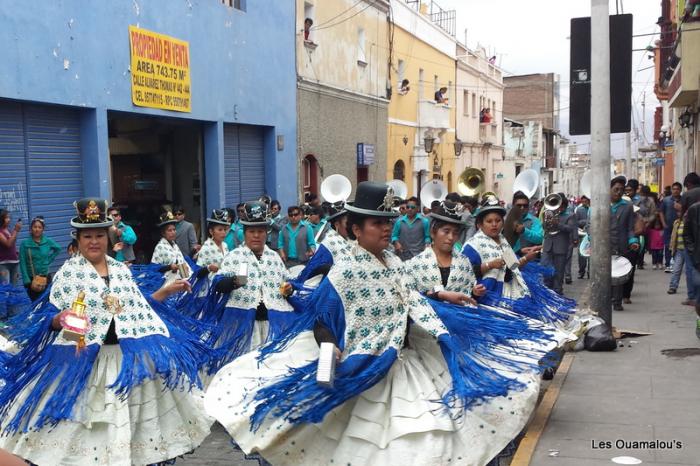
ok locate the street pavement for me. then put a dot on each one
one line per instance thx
(639, 393)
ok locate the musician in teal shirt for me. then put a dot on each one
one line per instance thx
(529, 228)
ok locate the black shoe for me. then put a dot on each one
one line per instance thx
(581, 275)
(618, 307)
(640, 267)
(568, 281)
(671, 291)
(548, 374)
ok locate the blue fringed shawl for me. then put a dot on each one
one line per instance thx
(475, 343)
(42, 365)
(13, 296)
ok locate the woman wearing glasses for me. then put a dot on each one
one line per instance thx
(36, 254)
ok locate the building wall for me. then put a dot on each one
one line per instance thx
(68, 53)
(420, 45)
(330, 126)
(532, 97)
(332, 53)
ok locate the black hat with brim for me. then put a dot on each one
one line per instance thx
(166, 218)
(256, 215)
(219, 217)
(449, 212)
(373, 200)
(490, 205)
(92, 213)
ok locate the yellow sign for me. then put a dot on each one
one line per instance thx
(160, 71)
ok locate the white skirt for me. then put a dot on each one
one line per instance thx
(153, 424)
(395, 422)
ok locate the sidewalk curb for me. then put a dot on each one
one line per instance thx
(526, 448)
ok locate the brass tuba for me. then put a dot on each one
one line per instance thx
(471, 182)
(552, 207)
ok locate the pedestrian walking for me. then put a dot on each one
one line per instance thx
(36, 254)
(691, 239)
(107, 375)
(670, 214)
(680, 263)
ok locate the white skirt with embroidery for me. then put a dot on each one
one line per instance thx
(153, 424)
(395, 422)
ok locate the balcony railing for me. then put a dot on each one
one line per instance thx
(488, 133)
(433, 115)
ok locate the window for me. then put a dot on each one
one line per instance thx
(474, 106)
(465, 103)
(401, 71)
(421, 79)
(361, 56)
(435, 84)
(399, 170)
(309, 18)
(449, 91)
(449, 181)
(493, 110)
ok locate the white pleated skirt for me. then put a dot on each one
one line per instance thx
(396, 422)
(152, 424)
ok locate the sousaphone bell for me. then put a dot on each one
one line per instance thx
(433, 190)
(471, 182)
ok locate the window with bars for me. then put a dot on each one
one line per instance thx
(237, 4)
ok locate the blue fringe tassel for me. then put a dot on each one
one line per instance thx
(41, 365)
(231, 337)
(192, 304)
(13, 297)
(323, 305)
(298, 398)
(177, 359)
(321, 257)
(147, 277)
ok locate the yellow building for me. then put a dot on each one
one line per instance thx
(424, 54)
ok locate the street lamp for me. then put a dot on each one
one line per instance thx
(458, 147)
(428, 142)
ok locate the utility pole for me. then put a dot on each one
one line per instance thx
(628, 155)
(644, 116)
(601, 292)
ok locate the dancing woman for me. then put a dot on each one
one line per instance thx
(502, 273)
(120, 389)
(389, 404)
(167, 253)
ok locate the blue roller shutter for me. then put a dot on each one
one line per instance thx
(13, 173)
(252, 162)
(54, 167)
(244, 163)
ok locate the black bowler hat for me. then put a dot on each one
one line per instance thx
(219, 217)
(490, 205)
(92, 213)
(373, 200)
(166, 218)
(336, 211)
(448, 211)
(256, 214)
(620, 179)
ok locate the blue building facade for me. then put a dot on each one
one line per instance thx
(68, 127)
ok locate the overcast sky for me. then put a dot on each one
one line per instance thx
(532, 37)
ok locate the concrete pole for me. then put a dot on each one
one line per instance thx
(601, 293)
(628, 156)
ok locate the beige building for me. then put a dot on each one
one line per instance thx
(342, 65)
(424, 55)
(480, 88)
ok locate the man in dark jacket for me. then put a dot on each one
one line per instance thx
(670, 215)
(623, 242)
(582, 220)
(691, 238)
(557, 244)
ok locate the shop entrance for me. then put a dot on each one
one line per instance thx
(155, 162)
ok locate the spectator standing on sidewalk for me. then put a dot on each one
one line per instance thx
(35, 257)
(656, 244)
(296, 239)
(9, 259)
(647, 210)
(691, 238)
(411, 233)
(186, 237)
(121, 238)
(670, 214)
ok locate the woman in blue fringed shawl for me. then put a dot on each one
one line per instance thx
(511, 282)
(390, 404)
(245, 315)
(127, 392)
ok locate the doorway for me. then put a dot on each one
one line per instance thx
(155, 163)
